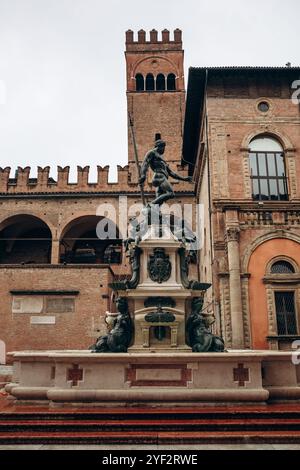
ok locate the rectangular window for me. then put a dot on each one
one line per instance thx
(285, 313)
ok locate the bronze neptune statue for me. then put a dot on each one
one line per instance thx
(155, 160)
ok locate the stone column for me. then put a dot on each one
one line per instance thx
(55, 252)
(232, 235)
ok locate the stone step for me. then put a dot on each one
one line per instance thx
(146, 437)
(274, 423)
(154, 416)
(216, 425)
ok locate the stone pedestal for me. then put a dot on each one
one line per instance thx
(164, 290)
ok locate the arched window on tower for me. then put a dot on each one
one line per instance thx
(160, 82)
(139, 82)
(267, 169)
(171, 82)
(149, 82)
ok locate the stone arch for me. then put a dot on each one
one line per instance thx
(277, 258)
(2, 352)
(25, 239)
(70, 220)
(138, 63)
(263, 238)
(289, 157)
(80, 243)
(5, 220)
(261, 287)
(271, 131)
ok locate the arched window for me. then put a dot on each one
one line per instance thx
(160, 82)
(267, 168)
(282, 267)
(171, 82)
(285, 296)
(149, 82)
(139, 82)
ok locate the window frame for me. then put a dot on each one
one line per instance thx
(281, 282)
(258, 177)
(296, 313)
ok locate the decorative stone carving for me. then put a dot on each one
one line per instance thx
(292, 173)
(223, 264)
(246, 174)
(159, 316)
(232, 234)
(159, 266)
(225, 310)
(246, 313)
(160, 302)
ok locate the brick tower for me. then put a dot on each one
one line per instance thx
(155, 91)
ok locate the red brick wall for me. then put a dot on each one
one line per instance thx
(73, 330)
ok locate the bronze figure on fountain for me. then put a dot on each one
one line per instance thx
(155, 160)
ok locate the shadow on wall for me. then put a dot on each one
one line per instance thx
(2, 352)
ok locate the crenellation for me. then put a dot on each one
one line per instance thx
(129, 36)
(102, 175)
(83, 176)
(22, 175)
(127, 180)
(153, 35)
(165, 35)
(63, 177)
(133, 176)
(43, 176)
(177, 35)
(141, 36)
(165, 42)
(4, 178)
(123, 174)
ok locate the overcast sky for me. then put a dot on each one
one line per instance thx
(62, 67)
